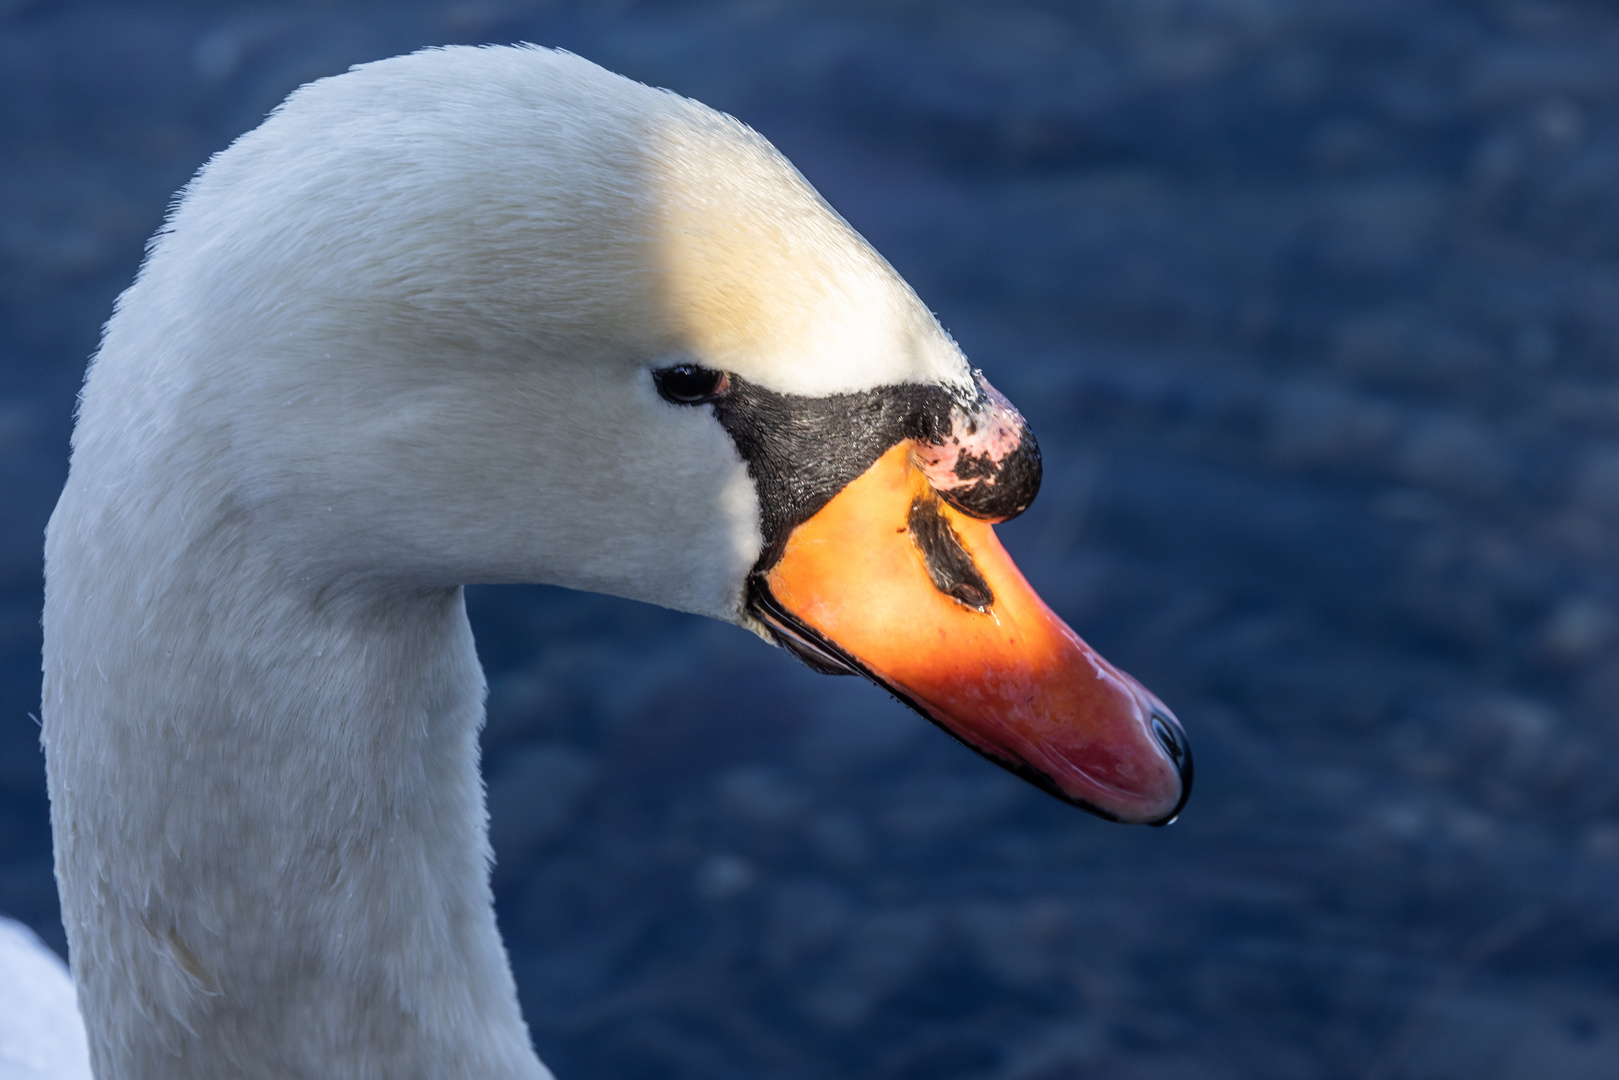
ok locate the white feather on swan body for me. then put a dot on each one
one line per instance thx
(41, 1037)
(395, 340)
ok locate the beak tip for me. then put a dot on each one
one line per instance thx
(1161, 780)
(1172, 737)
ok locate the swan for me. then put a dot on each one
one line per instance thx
(486, 315)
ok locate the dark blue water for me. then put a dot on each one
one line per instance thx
(1315, 309)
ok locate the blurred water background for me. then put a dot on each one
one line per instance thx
(1314, 306)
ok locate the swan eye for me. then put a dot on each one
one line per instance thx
(688, 384)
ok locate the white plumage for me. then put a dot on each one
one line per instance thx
(41, 1036)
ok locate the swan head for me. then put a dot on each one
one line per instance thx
(498, 315)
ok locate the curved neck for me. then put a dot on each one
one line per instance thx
(268, 818)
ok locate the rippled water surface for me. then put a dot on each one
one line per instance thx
(1315, 309)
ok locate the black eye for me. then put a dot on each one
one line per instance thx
(688, 384)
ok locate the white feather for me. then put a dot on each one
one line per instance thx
(41, 1036)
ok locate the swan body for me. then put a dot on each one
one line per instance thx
(470, 315)
(41, 1037)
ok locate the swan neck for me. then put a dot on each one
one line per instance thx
(269, 825)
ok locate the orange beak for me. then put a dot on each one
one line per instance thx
(890, 582)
